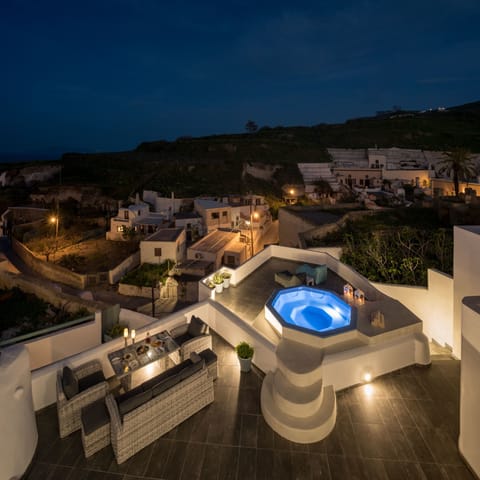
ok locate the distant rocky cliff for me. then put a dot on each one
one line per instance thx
(28, 176)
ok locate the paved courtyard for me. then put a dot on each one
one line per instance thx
(401, 426)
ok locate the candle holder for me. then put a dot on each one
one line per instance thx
(133, 336)
(125, 336)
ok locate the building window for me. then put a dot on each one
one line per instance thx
(224, 214)
(361, 181)
(120, 229)
(157, 252)
(215, 215)
(125, 214)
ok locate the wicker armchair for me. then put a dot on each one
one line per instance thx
(192, 337)
(91, 386)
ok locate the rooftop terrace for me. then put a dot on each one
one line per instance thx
(402, 425)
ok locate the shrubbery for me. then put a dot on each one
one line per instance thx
(395, 246)
(148, 275)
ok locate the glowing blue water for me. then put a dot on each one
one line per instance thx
(312, 309)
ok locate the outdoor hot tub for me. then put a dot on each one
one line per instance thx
(310, 311)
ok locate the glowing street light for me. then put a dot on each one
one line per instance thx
(253, 215)
(54, 219)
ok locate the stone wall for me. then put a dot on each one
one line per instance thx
(134, 291)
(55, 296)
(126, 266)
(49, 270)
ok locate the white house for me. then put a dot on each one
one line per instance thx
(213, 246)
(124, 219)
(165, 244)
(192, 222)
(167, 206)
(138, 217)
(214, 214)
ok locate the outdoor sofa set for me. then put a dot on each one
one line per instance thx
(132, 420)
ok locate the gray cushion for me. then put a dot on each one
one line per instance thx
(171, 372)
(196, 327)
(181, 339)
(195, 357)
(208, 355)
(191, 369)
(132, 399)
(69, 383)
(165, 384)
(94, 416)
(90, 380)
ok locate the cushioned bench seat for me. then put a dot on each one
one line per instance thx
(210, 358)
(95, 427)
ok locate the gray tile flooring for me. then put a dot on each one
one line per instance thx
(401, 426)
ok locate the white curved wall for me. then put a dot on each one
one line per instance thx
(18, 427)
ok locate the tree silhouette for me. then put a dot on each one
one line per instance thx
(459, 164)
(251, 126)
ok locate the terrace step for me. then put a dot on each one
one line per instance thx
(296, 401)
(300, 364)
(310, 429)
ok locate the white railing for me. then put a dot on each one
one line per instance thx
(234, 330)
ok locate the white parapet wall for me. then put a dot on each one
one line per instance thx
(469, 438)
(43, 379)
(349, 367)
(433, 305)
(466, 265)
(51, 348)
(234, 330)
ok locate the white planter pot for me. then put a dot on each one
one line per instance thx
(226, 282)
(219, 287)
(245, 364)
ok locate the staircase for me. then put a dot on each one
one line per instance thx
(294, 401)
(312, 172)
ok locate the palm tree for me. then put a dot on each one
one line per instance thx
(459, 163)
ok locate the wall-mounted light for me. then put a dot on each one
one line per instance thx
(359, 296)
(348, 290)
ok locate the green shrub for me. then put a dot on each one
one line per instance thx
(148, 275)
(244, 350)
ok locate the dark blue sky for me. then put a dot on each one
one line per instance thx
(105, 75)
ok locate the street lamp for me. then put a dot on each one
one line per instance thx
(54, 219)
(252, 216)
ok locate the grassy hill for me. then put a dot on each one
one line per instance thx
(214, 165)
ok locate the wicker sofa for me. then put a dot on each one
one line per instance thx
(143, 414)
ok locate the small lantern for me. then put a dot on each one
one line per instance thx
(359, 296)
(348, 290)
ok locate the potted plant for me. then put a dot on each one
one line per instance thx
(245, 354)
(218, 281)
(226, 279)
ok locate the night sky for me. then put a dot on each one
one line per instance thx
(106, 75)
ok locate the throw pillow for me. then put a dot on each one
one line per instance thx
(69, 383)
(196, 327)
(195, 357)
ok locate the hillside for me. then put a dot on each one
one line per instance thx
(216, 164)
